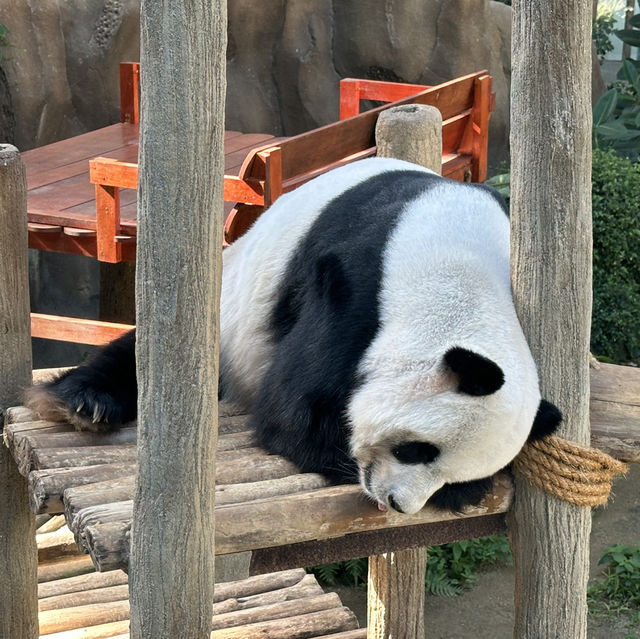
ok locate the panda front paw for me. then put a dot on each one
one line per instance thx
(85, 399)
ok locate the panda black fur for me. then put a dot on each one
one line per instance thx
(367, 324)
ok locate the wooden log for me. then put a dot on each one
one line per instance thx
(289, 485)
(83, 616)
(306, 587)
(325, 513)
(395, 594)
(65, 567)
(18, 603)
(25, 442)
(298, 627)
(47, 486)
(16, 414)
(109, 544)
(259, 584)
(301, 517)
(85, 597)
(77, 498)
(51, 458)
(33, 426)
(551, 121)
(179, 230)
(101, 631)
(90, 581)
(59, 543)
(361, 633)
(411, 132)
(278, 610)
(53, 523)
(234, 441)
(261, 467)
(104, 513)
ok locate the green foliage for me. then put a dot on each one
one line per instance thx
(615, 328)
(450, 568)
(502, 183)
(615, 331)
(619, 591)
(601, 33)
(616, 116)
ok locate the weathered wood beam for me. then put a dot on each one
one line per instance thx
(551, 279)
(18, 604)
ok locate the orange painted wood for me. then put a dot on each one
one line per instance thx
(353, 90)
(272, 159)
(480, 117)
(108, 223)
(110, 172)
(71, 329)
(248, 191)
(130, 92)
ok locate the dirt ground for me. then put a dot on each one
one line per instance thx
(486, 610)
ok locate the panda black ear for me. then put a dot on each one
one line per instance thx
(477, 375)
(332, 283)
(546, 422)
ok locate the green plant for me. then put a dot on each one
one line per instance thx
(603, 24)
(450, 568)
(615, 326)
(619, 591)
(615, 329)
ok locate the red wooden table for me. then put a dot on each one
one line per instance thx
(61, 200)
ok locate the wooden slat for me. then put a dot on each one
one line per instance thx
(73, 329)
(90, 581)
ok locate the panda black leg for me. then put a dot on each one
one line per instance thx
(98, 396)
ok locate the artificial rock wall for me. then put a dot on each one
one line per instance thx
(285, 58)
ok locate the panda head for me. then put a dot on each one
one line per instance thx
(418, 425)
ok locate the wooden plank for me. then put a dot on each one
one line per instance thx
(308, 151)
(118, 512)
(85, 597)
(326, 513)
(613, 383)
(113, 629)
(80, 147)
(81, 583)
(130, 92)
(47, 486)
(72, 329)
(56, 544)
(52, 621)
(57, 458)
(64, 567)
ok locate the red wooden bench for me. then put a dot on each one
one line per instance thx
(258, 169)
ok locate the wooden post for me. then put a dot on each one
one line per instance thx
(177, 286)
(395, 589)
(18, 553)
(551, 272)
(412, 132)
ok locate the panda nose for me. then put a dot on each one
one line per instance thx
(394, 504)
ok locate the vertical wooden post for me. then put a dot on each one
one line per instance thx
(395, 597)
(18, 554)
(177, 285)
(551, 272)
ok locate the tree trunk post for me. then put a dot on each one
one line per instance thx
(178, 272)
(18, 553)
(395, 588)
(551, 273)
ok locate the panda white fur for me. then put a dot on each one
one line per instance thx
(367, 323)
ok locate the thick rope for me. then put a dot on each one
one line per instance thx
(573, 473)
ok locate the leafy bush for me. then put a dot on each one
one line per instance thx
(615, 330)
(603, 27)
(450, 568)
(615, 325)
(619, 591)
(4, 41)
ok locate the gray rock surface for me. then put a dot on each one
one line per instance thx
(285, 59)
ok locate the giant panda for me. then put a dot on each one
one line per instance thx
(367, 325)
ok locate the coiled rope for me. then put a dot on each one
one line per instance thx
(568, 471)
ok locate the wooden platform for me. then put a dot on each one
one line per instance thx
(61, 200)
(287, 605)
(264, 505)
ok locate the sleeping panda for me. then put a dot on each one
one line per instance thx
(367, 325)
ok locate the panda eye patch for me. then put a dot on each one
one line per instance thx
(415, 452)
